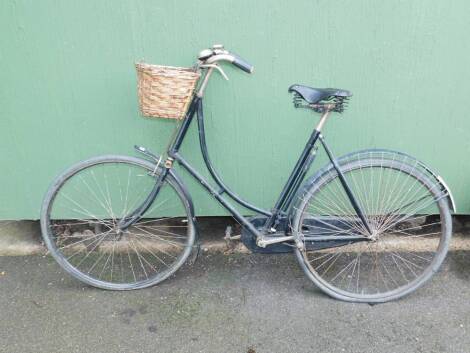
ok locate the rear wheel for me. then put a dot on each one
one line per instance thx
(80, 217)
(408, 214)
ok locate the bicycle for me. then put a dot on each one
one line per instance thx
(371, 226)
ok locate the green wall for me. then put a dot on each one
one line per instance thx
(67, 86)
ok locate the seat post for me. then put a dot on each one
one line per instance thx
(324, 116)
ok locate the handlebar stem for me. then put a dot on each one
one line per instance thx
(202, 87)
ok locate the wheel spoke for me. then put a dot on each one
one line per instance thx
(404, 210)
(84, 215)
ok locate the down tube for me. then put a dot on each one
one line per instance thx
(237, 215)
(210, 167)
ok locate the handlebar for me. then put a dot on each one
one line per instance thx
(242, 64)
(208, 59)
(220, 54)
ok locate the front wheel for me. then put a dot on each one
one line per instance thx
(81, 213)
(408, 213)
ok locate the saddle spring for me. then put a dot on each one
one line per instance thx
(340, 103)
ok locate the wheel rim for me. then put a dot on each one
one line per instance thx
(407, 214)
(83, 235)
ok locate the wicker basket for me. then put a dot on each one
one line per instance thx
(165, 91)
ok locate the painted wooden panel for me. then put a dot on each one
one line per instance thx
(67, 86)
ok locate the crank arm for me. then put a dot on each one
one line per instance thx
(264, 241)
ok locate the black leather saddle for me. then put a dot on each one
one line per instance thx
(317, 98)
(315, 95)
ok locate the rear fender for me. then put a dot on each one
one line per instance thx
(384, 153)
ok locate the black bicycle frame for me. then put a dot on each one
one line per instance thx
(284, 200)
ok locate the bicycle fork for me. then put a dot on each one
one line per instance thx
(137, 214)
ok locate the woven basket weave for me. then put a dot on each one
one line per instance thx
(165, 91)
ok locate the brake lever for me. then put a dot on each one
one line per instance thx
(214, 66)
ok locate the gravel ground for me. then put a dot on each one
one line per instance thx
(236, 303)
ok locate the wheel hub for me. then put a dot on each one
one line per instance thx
(374, 236)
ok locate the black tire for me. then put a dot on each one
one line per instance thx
(143, 245)
(312, 194)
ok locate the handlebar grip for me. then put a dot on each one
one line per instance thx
(242, 64)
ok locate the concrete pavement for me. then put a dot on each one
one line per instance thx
(226, 303)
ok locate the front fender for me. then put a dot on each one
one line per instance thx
(452, 203)
(185, 191)
(151, 158)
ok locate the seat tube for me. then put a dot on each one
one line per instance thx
(293, 180)
(299, 171)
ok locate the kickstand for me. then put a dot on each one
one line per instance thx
(229, 237)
